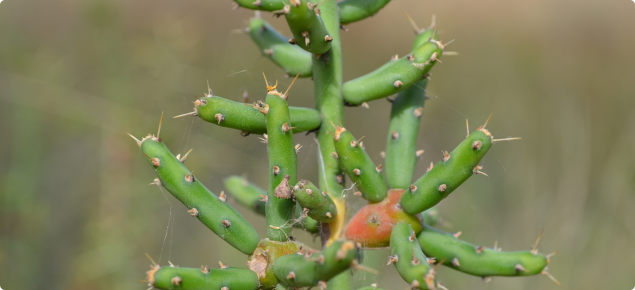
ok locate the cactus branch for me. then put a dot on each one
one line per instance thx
(248, 118)
(394, 76)
(454, 169)
(356, 10)
(292, 59)
(477, 260)
(408, 258)
(283, 162)
(358, 166)
(203, 278)
(217, 215)
(315, 202)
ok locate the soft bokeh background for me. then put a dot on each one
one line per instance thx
(75, 76)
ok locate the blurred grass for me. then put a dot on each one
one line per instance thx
(75, 210)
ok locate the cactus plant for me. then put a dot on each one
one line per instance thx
(400, 213)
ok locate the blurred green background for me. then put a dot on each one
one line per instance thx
(76, 211)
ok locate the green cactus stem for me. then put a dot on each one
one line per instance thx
(327, 76)
(477, 260)
(358, 166)
(265, 256)
(356, 10)
(246, 193)
(246, 118)
(394, 76)
(405, 118)
(341, 281)
(292, 59)
(283, 163)
(264, 5)
(252, 196)
(307, 27)
(454, 169)
(310, 269)
(370, 288)
(317, 203)
(372, 225)
(212, 211)
(203, 278)
(408, 258)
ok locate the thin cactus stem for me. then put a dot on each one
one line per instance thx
(478, 260)
(405, 117)
(201, 278)
(309, 31)
(247, 118)
(317, 204)
(212, 211)
(358, 166)
(246, 193)
(454, 169)
(409, 260)
(327, 75)
(394, 76)
(283, 162)
(356, 10)
(264, 5)
(292, 59)
(310, 269)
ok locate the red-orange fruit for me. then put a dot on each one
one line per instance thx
(372, 224)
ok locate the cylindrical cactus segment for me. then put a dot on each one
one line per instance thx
(317, 203)
(394, 76)
(408, 258)
(264, 5)
(356, 10)
(307, 270)
(253, 197)
(203, 278)
(214, 213)
(292, 59)
(247, 118)
(358, 166)
(283, 163)
(477, 260)
(405, 117)
(246, 193)
(307, 27)
(454, 169)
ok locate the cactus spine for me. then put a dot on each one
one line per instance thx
(391, 218)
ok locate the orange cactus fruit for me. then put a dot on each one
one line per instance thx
(372, 224)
